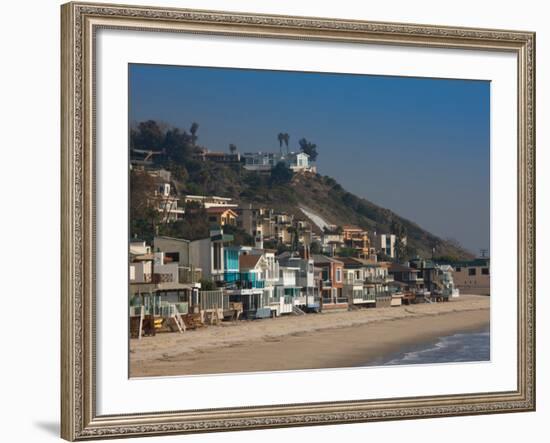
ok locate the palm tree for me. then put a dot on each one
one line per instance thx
(286, 137)
(193, 130)
(232, 148)
(280, 137)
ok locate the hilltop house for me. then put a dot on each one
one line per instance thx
(210, 201)
(221, 216)
(331, 240)
(166, 203)
(257, 222)
(217, 157)
(357, 239)
(387, 244)
(266, 161)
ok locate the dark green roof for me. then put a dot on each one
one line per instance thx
(222, 237)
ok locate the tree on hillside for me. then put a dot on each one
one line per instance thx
(177, 146)
(315, 248)
(281, 174)
(400, 235)
(308, 148)
(147, 136)
(144, 218)
(232, 148)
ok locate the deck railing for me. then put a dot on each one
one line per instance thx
(213, 300)
(189, 275)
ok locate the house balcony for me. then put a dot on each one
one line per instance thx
(189, 275)
(379, 280)
(242, 284)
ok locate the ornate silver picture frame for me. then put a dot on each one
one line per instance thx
(80, 23)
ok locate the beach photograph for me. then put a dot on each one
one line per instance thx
(288, 220)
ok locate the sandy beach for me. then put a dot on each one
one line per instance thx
(314, 341)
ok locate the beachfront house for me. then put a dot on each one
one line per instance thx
(406, 281)
(473, 277)
(178, 250)
(286, 291)
(445, 282)
(427, 272)
(161, 288)
(332, 283)
(356, 289)
(249, 288)
(305, 278)
(208, 254)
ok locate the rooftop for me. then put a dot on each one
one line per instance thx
(323, 259)
(396, 267)
(249, 261)
(220, 210)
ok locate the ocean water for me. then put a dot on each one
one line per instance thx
(464, 347)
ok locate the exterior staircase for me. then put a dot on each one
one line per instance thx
(297, 311)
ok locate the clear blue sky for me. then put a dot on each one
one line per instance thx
(417, 146)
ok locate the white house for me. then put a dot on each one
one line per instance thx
(265, 161)
(208, 254)
(167, 204)
(140, 271)
(298, 161)
(210, 201)
(139, 247)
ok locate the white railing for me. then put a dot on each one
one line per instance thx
(213, 300)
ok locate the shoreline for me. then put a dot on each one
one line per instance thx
(385, 359)
(317, 341)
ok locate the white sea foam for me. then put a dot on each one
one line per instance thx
(463, 347)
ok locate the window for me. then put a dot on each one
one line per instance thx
(458, 269)
(338, 275)
(472, 271)
(217, 256)
(484, 271)
(174, 256)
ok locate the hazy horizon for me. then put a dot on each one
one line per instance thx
(419, 147)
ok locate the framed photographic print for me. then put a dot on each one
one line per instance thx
(277, 221)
